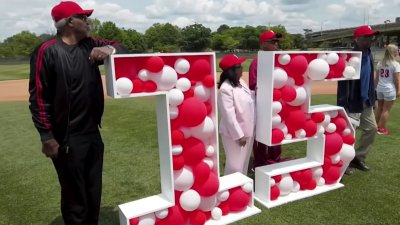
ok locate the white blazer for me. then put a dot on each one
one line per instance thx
(237, 108)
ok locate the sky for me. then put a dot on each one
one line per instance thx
(295, 15)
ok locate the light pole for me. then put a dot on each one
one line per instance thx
(387, 35)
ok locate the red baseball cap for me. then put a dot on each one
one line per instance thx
(364, 31)
(230, 60)
(269, 36)
(67, 9)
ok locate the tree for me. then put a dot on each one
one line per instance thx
(163, 37)
(222, 28)
(133, 41)
(108, 30)
(95, 26)
(21, 44)
(298, 41)
(195, 37)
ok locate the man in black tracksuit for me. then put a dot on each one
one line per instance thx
(66, 102)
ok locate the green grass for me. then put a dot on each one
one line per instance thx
(29, 190)
(14, 71)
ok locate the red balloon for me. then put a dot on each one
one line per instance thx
(134, 221)
(333, 143)
(178, 162)
(149, 86)
(312, 184)
(348, 139)
(238, 199)
(331, 74)
(197, 217)
(288, 93)
(277, 178)
(295, 120)
(318, 117)
(189, 93)
(209, 187)
(177, 137)
(177, 195)
(208, 81)
(208, 107)
(340, 123)
(175, 216)
(277, 95)
(310, 127)
(194, 151)
(201, 172)
(286, 108)
(277, 136)
(338, 68)
(154, 64)
(297, 66)
(299, 81)
(138, 86)
(192, 111)
(199, 69)
(296, 175)
(331, 174)
(311, 57)
(275, 192)
(339, 164)
(224, 206)
(306, 176)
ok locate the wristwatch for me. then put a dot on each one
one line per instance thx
(113, 49)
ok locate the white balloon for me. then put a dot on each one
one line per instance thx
(248, 187)
(317, 69)
(334, 114)
(186, 132)
(276, 107)
(301, 133)
(286, 185)
(143, 75)
(183, 179)
(209, 162)
(201, 92)
(162, 214)
(177, 149)
(175, 97)
(124, 86)
(354, 62)
(216, 213)
(301, 96)
(148, 219)
(321, 129)
(276, 120)
(166, 79)
(271, 182)
(332, 58)
(290, 81)
(284, 59)
(204, 130)
(346, 131)
(347, 153)
(208, 203)
(296, 186)
(327, 120)
(283, 127)
(330, 128)
(288, 137)
(182, 66)
(349, 72)
(210, 151)
(173, 112)
(190, 200)
(280, 77)
(322, 56)
(335, 158)
(183, 84)
(321, 181)
(317, 172)
(223, 196)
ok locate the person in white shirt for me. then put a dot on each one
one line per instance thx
(387, 86)
(237, 106)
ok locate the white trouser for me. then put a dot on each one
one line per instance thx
(236, 156)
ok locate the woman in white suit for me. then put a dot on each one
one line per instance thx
(237, 108)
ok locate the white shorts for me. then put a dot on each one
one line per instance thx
(387, 95)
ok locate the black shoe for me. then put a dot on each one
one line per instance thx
(356, 163)
(349, 171)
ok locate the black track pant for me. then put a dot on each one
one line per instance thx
(80, 174)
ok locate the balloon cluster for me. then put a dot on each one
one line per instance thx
(189, 82)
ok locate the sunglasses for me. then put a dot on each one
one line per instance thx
(81, 17)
